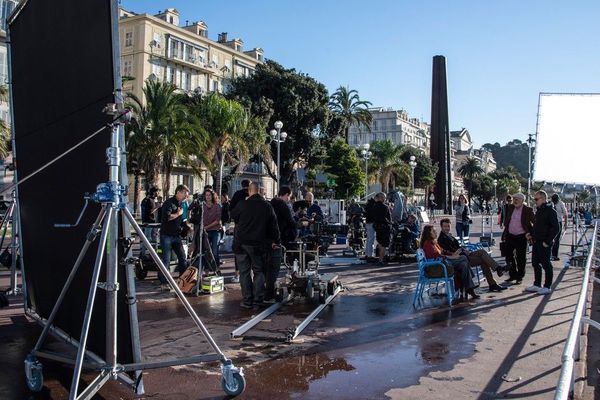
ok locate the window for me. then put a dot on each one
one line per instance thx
(215, 86)
(157, 38)
(128, 68)
(260, 57)
(228, 64)
(157, 70)
(188, 180)
(374, 125)
(185, 79)
(170, 75)
(128, 39)
(215, 60)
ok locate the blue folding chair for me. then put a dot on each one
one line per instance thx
(424, 280)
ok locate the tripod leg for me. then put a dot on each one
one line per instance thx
(90, 304)
(171, 281)
(91, 236)
(4, 225)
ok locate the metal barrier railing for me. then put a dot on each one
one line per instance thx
(570, 354)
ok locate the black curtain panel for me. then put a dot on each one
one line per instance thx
(62, 77)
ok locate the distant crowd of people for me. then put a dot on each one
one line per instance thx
(262, 227)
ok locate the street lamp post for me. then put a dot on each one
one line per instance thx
(413, 165)
(279, 137)
(366, 154)
(530, 142)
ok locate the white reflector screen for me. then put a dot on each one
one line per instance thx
(568, 139)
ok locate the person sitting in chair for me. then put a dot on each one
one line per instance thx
(410, 233)
(432, 250)
(478, 257)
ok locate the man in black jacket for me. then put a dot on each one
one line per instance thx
(478, 257)
(239, 195)
(370, 229)
(255, 230)
(287, 232)
(545, 229)
(170, 232)
(382, 223)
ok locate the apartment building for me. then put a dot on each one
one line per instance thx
(394, 125)
(6, 8)
(157, 47)
(160, 47)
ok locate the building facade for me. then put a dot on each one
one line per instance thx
(6, 8)
(393, 125)
(462, 148)
(156, 47)
(159, 47)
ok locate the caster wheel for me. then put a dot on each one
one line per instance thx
(322, 297)
(140, 272)
(236, 386)
(33, 374)
(279, 294)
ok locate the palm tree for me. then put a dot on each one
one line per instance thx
(353, 111)
(4, 127)
(233, 135)
(161, 132)
(388, 163)
(471, 170)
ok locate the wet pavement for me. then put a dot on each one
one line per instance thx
(370, 343)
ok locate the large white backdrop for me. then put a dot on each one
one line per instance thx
(568, 138)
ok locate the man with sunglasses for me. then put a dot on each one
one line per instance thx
(545, 229)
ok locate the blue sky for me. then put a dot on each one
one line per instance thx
(499, 54)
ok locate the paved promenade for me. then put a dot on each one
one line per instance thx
(369, 344)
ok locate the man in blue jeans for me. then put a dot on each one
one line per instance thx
(256, 231)
(172, 218)
(545, 229)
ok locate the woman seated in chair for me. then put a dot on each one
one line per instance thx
(460, 263)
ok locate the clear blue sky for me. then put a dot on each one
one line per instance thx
(499, 54)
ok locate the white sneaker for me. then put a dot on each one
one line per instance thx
(532, 289)
(544, 290)
(235, 279)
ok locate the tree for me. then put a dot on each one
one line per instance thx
(275, 93)
(388, 163)
(483, 189)
(509, 181)
(514, 155)
(343, 162)
(232, 135)
(4, 127)
(425, 170)
(470, 170)
(161, 132)
(353, 111)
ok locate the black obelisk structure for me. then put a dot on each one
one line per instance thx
(440, 135)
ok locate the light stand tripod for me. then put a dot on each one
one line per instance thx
(112, 196)
(14, 246)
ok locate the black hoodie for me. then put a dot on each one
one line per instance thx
(545, 227)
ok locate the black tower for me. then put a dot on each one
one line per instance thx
(440, 135)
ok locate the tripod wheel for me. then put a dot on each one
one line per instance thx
(33, 374)
(140, 272)
(235, 386)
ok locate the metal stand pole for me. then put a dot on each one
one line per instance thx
(200, 251)
(90, 306)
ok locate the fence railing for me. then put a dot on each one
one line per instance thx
(570, 355)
